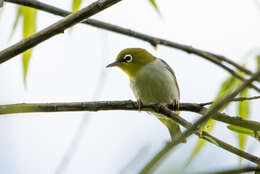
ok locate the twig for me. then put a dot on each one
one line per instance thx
(214, 58)
(125, 31)
(238, 121)
(204, 135)
(209, 114)
(215, 107)
(120, 105)
(55, 29)
(233, 171)
(234, 100)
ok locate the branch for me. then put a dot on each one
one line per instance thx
(119, 105)
(215, 107)
(238, 121)
(125, 105)
(195, 127)
(239, 99)
(214, 58)
(117, 29)
(55, 29)
(234, 171)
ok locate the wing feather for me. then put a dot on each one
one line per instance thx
(172, 72)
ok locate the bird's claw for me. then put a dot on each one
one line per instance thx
(174, 105)
(140, 105)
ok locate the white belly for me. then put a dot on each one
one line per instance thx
(155, 84)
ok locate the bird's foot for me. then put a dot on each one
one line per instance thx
(174, 105)
(140, 105)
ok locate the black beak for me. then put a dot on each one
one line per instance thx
(113, 64)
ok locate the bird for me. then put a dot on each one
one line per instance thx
(152, 81)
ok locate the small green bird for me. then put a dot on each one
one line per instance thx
(152, 81)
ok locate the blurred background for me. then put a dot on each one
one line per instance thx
(70, 67)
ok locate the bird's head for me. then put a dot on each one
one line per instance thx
(132, 60)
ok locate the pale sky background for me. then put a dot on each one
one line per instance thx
(67, 67)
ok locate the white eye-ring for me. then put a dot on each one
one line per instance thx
(128, 58)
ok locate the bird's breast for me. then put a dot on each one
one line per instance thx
(154, 84)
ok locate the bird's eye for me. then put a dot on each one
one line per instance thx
(128, 58)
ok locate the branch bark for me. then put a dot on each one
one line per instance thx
(212, 57)
(55, 29)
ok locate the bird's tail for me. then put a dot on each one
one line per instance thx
(172, 126)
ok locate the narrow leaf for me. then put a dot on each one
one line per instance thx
(241, 130)
(257, 172)
(155, 6)
(29, 27)
(227, 86)
(243, 112)
(76, 4)
(258, 62)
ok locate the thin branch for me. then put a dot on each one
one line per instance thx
(119, 105)
(149, 168)
(215, 107)
(239, 99)
(204, 135)
(195, 127)
(214, 58)
(123, 105)
(55, 29)
(238, 121)
(125, 31)
(233, 171)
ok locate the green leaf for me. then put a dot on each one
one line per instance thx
(227, 86)
(154, 5)
(258, 61)
(29, 27)
(243, 112)
(257, 172)
(241, 130)
(76, 4)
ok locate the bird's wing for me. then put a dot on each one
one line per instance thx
(172, 72)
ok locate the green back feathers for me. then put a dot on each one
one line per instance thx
(132, 60)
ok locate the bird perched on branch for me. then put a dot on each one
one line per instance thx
(152, 81)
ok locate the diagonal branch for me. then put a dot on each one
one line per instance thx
(204, 135)
(233, 171)
(215, 107)
(195, 127)
(214, 58)
(55, 29)
(238, 121)
(234, 100)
